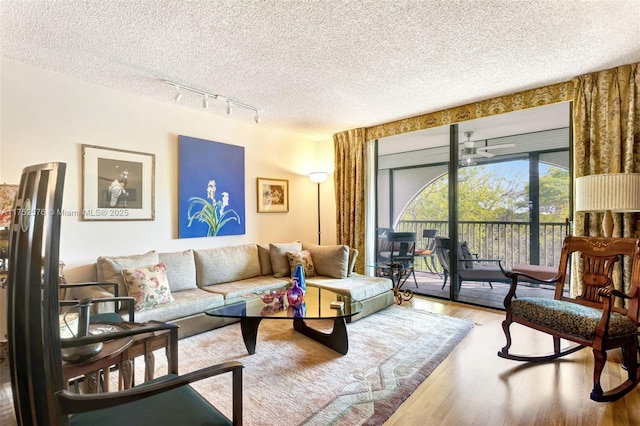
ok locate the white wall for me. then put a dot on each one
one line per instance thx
(46, 116)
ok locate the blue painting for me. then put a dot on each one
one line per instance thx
(210, 188)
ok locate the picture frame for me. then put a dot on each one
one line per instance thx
(273, 195)
(117, 184)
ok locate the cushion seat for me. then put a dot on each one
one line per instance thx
(249, 285)
(570, 318)
(358, 287)
(185, 303)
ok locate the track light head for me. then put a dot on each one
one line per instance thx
(257, 118)
(205, 101)
(229, 109)
(178, 94)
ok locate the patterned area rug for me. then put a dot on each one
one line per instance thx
(294, 380)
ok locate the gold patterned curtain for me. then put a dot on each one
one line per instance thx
(606, 135)
(349, 180)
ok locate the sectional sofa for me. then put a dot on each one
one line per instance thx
(178, 286)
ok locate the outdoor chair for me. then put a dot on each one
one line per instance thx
(35, 360)
(590, 319)
(428, 251)
(470, 267)
(402, 246)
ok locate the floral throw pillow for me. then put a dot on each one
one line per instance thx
(148, 286)
(304, 258)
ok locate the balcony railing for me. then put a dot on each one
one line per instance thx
(509, 241)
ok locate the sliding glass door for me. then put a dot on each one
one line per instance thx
(500, 195)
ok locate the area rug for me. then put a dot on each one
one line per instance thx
(294, 380)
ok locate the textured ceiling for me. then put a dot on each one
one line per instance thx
(319, 67)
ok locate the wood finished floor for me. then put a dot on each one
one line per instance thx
(473, 386)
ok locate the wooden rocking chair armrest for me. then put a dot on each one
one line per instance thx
(70, 402)
(516, 275)
(146, 328)
(515, 281)
(608, 292)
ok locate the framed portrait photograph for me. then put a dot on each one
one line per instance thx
(117, 184)
(273, 195)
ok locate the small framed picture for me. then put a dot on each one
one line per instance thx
(117, 184)
(273, 195)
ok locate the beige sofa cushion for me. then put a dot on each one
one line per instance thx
(329, 261)
(359, 287)
(225, 264)
(181, 269)
(109, 267)
(279, 259)
(353, 255)
(265, 259)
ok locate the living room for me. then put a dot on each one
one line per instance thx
(47, 115)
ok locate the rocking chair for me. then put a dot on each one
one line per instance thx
(35, 359)
(590, 319)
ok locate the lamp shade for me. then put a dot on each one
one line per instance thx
(616, 192)
(318, 177)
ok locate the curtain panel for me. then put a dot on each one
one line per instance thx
(349, 182)
(606, 139)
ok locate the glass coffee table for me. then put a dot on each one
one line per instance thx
(318, 303)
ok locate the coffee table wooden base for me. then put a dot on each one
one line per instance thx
(337, 339)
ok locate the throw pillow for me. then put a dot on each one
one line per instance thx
(148, 286)
(330, 261)
(279, 260)
(109, 267)
(303, 258)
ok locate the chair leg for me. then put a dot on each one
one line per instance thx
(432, 259)
(600, 358)
(446, 275)
(413, 272)
(507, 333)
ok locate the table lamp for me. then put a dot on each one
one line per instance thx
(608, 193)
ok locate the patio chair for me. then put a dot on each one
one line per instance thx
(402, 246)
(428, 251)
(470, 268)
(590, 319)
(35, 362)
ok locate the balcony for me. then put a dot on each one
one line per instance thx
(509, 241)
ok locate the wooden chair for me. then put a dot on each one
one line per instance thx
(590, 319)
(34, 335)
(470, 268)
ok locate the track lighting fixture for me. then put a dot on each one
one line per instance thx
(205, 99)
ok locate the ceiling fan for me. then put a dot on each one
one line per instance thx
(470, 150)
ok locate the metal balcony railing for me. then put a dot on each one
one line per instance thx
(509, 241)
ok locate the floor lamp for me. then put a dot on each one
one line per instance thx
(318, 178)
(608, 192)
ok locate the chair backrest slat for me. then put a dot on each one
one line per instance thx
(34, 334)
